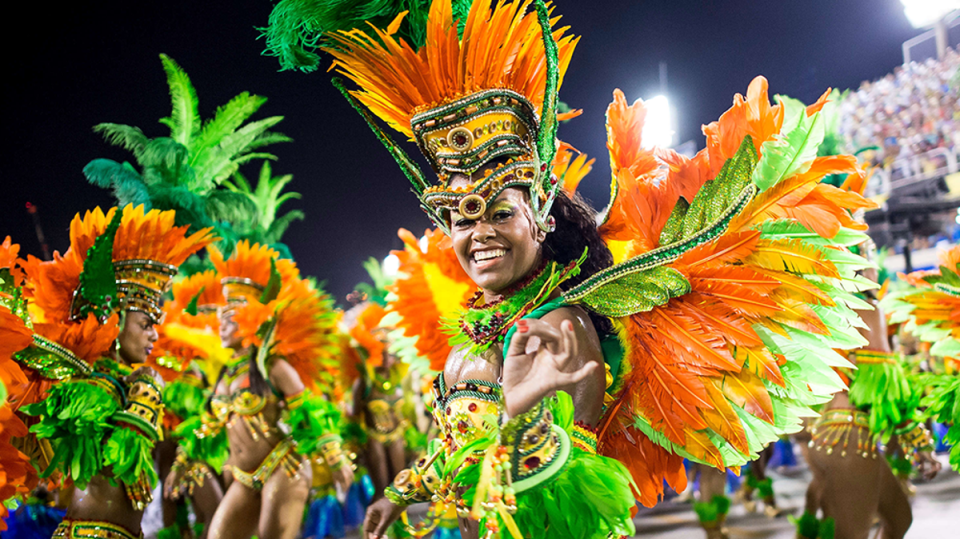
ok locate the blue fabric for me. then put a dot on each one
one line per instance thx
(324, 519)
(355, 505)
(939, 432)
(369, 491)
(447, 533)
(783, 454)
(32, 522)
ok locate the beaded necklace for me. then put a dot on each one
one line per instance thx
(481, 325)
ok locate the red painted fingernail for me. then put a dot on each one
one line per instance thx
(523, 329)
(521, 322)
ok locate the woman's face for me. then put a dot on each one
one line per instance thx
(501, 247)
(228, 330)
(136, 338)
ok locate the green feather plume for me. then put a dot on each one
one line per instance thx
(296, 28)
(186, 170)
(210, 448)
(98, 285)
(311, 420)
(130, 457)
(791, 152)
(75, 419)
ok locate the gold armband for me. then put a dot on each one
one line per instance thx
(332, 451)
(915, 438)
(144, 409)
(418, 483)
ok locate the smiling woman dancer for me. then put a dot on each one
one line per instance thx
(100, 417)
(721, 300)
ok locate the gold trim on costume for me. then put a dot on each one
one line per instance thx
(92, 529)
(283, 454)
(837, 425)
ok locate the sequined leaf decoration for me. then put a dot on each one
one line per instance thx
(718, 194)
(98, 285)
(11, 297)
(637, 292)
(673, 230)
(547, 138)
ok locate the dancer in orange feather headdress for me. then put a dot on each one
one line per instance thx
(283, 332)
(698, 321)
(93, 316)
(188, 354)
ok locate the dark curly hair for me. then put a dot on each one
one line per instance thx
(576, 230)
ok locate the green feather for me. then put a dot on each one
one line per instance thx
(313, 419)
(212, 449)
(272, 289)
(75, 419)
(127, 184)
(184, 119)
(297, 28)
(98, 285)
(792, 151)
(130, 457)
(183, 171)
(128, 137)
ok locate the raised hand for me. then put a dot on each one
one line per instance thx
(380, 515)
(540, 360)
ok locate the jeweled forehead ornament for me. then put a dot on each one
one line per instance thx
(476, 106)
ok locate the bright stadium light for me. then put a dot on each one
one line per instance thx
(925, 13)
(391, 265)
(658, 125)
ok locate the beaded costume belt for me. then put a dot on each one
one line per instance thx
(92, 529)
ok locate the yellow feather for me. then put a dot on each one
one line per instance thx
(792, 256)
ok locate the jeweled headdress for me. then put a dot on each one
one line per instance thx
(190, 328)
(477, 90)
(117, 261)
(253, 273)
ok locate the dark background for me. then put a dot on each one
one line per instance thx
(68, 68)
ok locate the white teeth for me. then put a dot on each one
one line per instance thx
(480, 256)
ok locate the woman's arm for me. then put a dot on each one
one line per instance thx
(285, 378)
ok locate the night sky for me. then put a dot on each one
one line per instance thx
(91, 62)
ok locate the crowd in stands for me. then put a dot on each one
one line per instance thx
(906, 114)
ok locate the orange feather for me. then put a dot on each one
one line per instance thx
(747, 391)
(760, 361)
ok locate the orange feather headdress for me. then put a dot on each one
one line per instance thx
(485, 94)
(131, 254)
(190, 328)
(282, 314)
